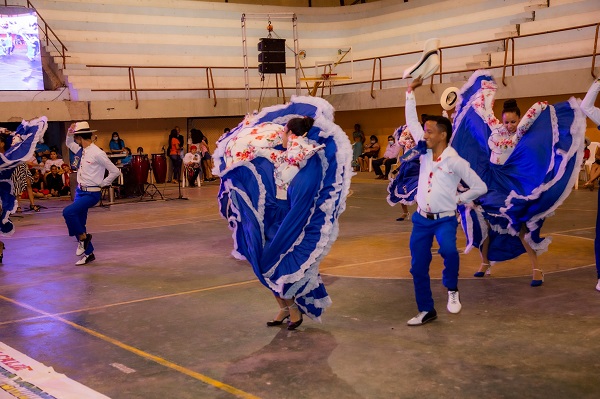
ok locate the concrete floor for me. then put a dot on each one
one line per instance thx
(166, 299)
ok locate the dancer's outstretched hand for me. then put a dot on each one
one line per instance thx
(415, 83)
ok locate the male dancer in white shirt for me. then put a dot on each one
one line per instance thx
(441, 171)
(90, 178)
(592, 112)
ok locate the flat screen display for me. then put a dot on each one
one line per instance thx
(20, 60)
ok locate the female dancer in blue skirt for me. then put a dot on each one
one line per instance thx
(529, 164)
(403, 188)
(285, 174)
(15, 149)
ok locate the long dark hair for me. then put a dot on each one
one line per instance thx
(511, 106)
(299, 126)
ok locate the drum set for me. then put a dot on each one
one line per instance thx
(139, 171)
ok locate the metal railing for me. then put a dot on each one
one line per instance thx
(508, 45)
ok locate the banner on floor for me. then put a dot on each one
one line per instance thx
(24, 378)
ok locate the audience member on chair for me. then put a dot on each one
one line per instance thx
(192, 161)
(389, 158)
(594, 171)
(371, 151)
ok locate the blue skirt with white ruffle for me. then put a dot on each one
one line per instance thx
(285, 240)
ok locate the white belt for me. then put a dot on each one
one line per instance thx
(90, 189)
(435, 216)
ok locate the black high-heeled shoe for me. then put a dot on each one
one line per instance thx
(275, 322)
(295, 324)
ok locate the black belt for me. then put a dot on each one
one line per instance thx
(90, 188)
(435, 216)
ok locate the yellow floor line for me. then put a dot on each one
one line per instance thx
(201, 377)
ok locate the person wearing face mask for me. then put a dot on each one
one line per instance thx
(529, 162)
(389, 158)
(371, 151)
(117, 145)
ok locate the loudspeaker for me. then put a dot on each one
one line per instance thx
(270, 69)
(271, 56)
(268, 44)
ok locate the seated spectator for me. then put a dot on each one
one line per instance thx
(371, 150)
(38, 185)
(127, 159)
(140, 151)
(594, 171)
(117, 144)
(42, 163)
(389, 158)
(192, 162)
(207, 162)
(55, 182)
(53, 161)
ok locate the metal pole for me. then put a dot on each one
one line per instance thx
(296, 50)
(246, 75)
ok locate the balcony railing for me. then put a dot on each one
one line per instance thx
(508, 44)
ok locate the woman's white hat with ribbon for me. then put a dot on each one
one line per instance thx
(449, 98)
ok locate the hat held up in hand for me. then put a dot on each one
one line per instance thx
(429, 62)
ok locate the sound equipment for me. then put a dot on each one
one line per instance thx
(271, 56)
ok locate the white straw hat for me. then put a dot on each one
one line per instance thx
(429, 62)
(81, 128)
(449, 98)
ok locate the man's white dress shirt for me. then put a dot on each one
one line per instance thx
(94, 162)
(439, 178)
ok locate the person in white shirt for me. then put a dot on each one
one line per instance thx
(192, 161)
(90, 178)
(54, 160)
(440, 173)
(390, 157)
(592, 112)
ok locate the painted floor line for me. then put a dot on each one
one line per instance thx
(198, 376)
(216, 287)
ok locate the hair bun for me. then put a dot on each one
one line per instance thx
(308, 123)
(510, 104)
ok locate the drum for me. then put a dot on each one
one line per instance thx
(159, 167)
(140, 167)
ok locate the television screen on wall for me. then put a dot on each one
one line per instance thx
(20, 60)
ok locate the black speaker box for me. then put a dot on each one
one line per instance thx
(270, 57)
(266, 44)
(266, 69)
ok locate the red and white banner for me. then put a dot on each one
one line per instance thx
(24, 378)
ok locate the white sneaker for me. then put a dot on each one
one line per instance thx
(85, 259)
(454, 305)
(422, 318)
(80, 248)
(598, 285)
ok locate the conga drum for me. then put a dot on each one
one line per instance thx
(159, 167)
(140, 166)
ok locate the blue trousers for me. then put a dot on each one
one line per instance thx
(421, 240)
(76, 214)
